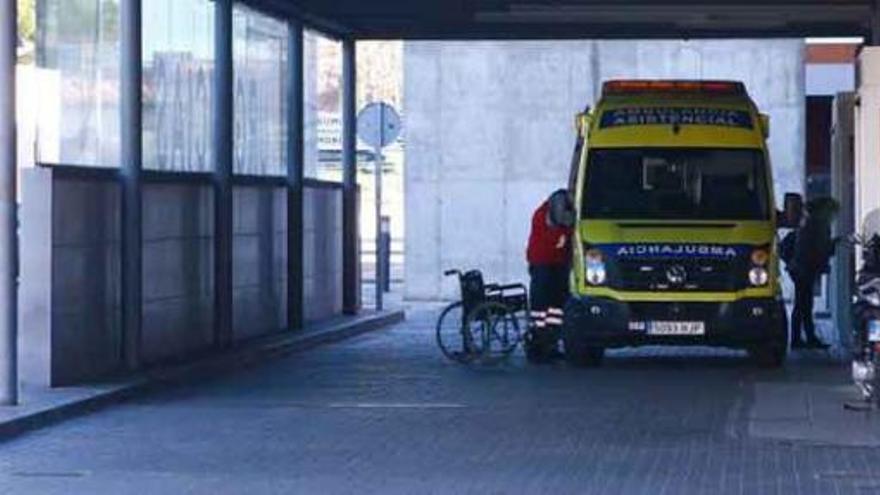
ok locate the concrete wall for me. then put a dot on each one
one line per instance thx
(843, 190)
(829, 79)
(260, 264)
(70, 270)
(178, 290)
(867, 116)
(490, 134)
(322, 251)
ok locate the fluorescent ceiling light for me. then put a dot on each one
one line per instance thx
(854, 40)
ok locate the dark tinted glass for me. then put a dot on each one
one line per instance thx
(676, 184)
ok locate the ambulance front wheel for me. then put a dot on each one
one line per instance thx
(772, 353)
(581, 355)
(771, 356)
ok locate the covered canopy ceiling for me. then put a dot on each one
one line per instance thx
(525, 19)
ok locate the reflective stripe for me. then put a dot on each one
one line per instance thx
(538, 314)
(554, 321)
(554, 311)
(540, 324)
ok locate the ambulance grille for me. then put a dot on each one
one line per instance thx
(663, 275)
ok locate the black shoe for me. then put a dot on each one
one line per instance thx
(798, 344)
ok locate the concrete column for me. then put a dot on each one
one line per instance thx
(842, 189)
(874, 39)
(295, 168)
(867, 132)
(223, 149)
(8, 208)
(350, 261)
(130, 169)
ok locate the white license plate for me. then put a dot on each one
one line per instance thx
(676, 328)
(874, 331)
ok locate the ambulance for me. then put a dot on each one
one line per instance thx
(675, 234)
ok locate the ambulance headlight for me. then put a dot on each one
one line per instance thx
(759, 276)
(595, 263)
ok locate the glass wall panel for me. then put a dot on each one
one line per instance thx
(322, 131)
(178, 67)
(260, 55)
(78, 52)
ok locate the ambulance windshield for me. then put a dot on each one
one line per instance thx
(676, 184)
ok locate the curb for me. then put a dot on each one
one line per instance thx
(257, 352)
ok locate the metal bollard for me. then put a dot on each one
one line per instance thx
(386, 254)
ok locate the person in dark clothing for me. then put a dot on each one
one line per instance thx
(548, 255)
(806, 252)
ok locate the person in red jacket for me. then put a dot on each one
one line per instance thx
(548, 255)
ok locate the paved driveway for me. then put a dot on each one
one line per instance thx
(384, 413)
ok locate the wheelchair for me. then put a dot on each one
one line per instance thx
(485, 325)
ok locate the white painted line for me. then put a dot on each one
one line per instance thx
(395, 405)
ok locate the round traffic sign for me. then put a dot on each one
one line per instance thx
(378, 124)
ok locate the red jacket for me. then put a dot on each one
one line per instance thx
(548, 245)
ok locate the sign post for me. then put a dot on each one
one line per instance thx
(378, 126)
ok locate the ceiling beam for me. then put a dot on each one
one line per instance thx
(579, 19)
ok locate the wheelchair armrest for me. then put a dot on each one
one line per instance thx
(504, 287)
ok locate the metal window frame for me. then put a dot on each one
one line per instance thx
(8, 206)
(223, 147)
(130, 175)
(295, 176)
(350, 257)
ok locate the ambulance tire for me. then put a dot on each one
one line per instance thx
(770, 355)
(583, 356)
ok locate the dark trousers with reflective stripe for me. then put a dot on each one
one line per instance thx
(548, 292)
(802, 313)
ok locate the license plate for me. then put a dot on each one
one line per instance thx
(676, 328)
(874, 331)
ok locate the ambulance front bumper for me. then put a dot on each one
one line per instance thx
(605, 322)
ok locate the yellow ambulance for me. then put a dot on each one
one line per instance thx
(675, 237)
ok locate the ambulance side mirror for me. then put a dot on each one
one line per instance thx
(792, 211)
(562, 212)
(765, 125)
(582, 122)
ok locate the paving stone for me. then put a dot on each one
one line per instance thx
(385, 413)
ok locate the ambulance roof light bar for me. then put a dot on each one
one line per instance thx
(634, 86)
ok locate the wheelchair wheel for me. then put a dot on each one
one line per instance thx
(498, 329)
(458, 340)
